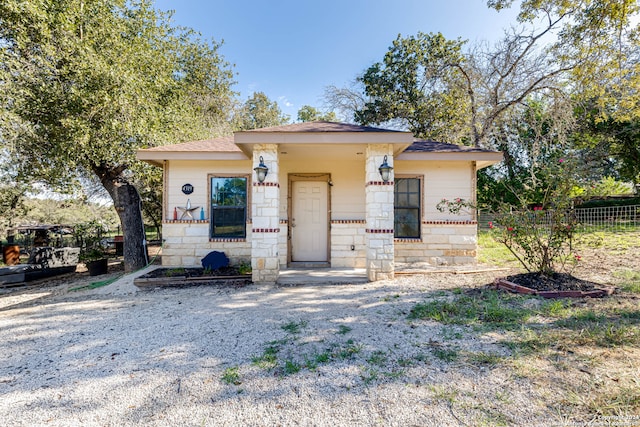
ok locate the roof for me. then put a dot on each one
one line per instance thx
(316, 134)
(320, 126)
(224, 144)
(428, 146)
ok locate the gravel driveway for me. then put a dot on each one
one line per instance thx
(340, 355)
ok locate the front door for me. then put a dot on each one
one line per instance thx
(309, 221)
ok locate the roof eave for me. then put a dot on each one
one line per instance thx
(482, 159)
(157, 157)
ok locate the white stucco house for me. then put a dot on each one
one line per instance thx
(323, 202)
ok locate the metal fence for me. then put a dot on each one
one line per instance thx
(608, 218)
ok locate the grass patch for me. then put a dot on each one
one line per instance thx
(269, 357)
(484, 359)
(343, 329)
(612, 328)
(490, 308)
(493, 252)
(377, 358)
(447, 394)
(290, 367)
(294, 327)
(630, 280)
(348, 351)
(609, 241)
(445, 354)
(231, 376)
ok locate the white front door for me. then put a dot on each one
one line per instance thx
(309, 221)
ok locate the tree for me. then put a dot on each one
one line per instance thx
(86, 83)
(443, 93)
(259, 112)
(418, 82)
(13, 190)
(311, 114)
(439, 91)
(602, 37)
(346, 101)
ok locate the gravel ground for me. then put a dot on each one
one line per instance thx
(340, 355)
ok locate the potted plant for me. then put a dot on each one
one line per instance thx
(92, 252)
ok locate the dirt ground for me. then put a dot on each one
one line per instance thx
(191, 356)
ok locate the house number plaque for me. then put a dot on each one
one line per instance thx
(187, 189)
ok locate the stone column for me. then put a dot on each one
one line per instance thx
(265, 214)
(379, 214)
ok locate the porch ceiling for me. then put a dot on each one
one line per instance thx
(322, 151)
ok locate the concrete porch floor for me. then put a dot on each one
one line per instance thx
(345, 276)
(322, 276)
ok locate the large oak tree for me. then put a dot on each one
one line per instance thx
(84, 83)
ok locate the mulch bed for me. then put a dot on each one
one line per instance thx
(191, 272)
(556, 285)
(227, 276)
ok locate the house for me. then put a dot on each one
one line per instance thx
(314, 195)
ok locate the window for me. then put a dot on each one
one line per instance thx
(228, 207)
(407, 208)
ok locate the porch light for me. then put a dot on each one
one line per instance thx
(385, 169)
(261, 170)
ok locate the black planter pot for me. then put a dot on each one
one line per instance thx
(97, 267)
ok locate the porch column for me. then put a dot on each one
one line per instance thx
(265, 213)
(379, 214)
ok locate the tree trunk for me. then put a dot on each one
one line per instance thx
(126, 201)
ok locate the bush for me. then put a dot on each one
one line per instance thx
(541, 235)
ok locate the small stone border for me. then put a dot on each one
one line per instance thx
(502, 283)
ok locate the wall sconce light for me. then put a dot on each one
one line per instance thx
(385, 169)
(261, 170)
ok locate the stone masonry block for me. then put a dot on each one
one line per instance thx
(462, 240)
(444, 230)
(201, 230)
(437, 238)
(171, 261)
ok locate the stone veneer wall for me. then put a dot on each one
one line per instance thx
(442, 243)
(265, 213)
(379, 200)
(187, 242)
(344, 235)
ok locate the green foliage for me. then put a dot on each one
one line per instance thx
(88, 83)
(307, 113)
(541, 238)
(89, 236)
(490, 308)
(343, 329)
(607, 186)
(294, 327)
(231, 376)
(455, 206)
(418, 83)
(244, 267)
(291, 367)
(630, 281)
(445, 354)
(260, 112)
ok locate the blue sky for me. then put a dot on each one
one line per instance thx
(291, 50)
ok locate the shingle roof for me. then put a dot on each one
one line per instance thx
(427, 146)
(321, 126)
(223, 144)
